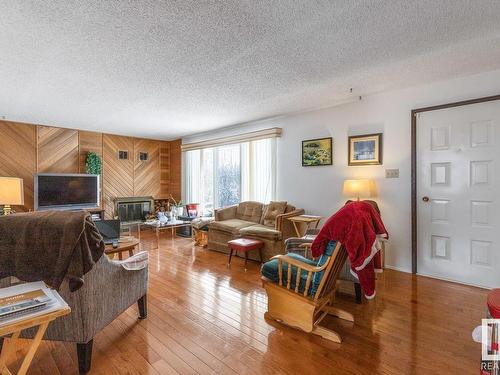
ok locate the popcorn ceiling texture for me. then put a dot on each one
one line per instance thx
(165, 69)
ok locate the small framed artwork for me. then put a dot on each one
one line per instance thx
(365, 149)
(317, 152)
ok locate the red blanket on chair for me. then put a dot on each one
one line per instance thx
(357, 226)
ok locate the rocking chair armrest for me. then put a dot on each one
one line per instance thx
(307, 267)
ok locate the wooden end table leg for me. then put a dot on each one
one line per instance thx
(7, 348)
(35, 343)
(296, 229)
(120, 256)
(230, 256)
(246, 260)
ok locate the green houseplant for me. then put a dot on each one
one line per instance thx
(93, 163)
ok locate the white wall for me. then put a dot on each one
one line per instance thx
(319, 189)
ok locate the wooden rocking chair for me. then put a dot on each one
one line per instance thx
(305, 309)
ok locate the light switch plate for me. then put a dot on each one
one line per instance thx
(392, 173)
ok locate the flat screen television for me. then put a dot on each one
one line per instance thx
(56, 191)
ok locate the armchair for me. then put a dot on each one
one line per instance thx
(108, 291)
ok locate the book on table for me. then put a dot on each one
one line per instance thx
(21, 301)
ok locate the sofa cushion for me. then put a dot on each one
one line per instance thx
(262, 231)
(272, 211)
(270, 271)
(249, 211)
(231, 226)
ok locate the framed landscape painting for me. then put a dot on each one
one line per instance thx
(365, 149)
(317, 152)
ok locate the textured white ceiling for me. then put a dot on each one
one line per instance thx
(170, 68)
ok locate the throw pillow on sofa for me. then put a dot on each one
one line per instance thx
(273, 209)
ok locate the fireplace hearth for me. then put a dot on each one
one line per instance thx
(133, 209)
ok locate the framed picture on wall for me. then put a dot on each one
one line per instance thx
(317, 152)
(365, 149)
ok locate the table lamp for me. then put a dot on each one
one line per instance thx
(11, 192)
(359, 188)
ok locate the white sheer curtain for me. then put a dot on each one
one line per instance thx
(259, 178)
(192, 176)
(224, 175)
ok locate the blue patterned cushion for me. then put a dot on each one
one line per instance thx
(270, 271)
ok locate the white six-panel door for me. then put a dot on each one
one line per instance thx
(458, 194)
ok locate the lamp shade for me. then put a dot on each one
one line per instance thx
(11, 191)
(359, 188)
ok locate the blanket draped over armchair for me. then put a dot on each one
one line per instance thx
(357, 226)
(49, 246)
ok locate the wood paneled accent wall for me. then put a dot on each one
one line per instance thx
(88, 142)
(18, 155)
(26, 149)
(147, 173)
(57, 150)
(175, 169)
(118, 177)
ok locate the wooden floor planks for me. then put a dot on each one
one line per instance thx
(206, 318)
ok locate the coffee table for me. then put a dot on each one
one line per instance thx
(169, 225)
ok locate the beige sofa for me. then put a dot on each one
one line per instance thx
(247, 220)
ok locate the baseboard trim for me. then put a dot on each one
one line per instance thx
(397, 269)
(431, 276)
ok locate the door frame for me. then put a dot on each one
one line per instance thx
(414, 113)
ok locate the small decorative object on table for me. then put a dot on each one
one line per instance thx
(317, 152)
(162, 218)
(365, 149)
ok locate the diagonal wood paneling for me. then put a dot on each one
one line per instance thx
(164, 169)
(175, 169)
(18, 155)
(88, 142)
(26, 149)
(57, 150)
(118, 175)
(147, 173)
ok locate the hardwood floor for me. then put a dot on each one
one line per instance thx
(205, 318)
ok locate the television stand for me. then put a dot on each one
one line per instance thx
(97, 213)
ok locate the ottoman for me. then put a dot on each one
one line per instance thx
(245, 245)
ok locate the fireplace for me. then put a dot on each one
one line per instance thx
(133, 209)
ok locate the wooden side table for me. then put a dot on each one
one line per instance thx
(308, 220)
(14, 329)
(129, 246)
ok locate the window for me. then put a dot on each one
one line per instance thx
(226, 175)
